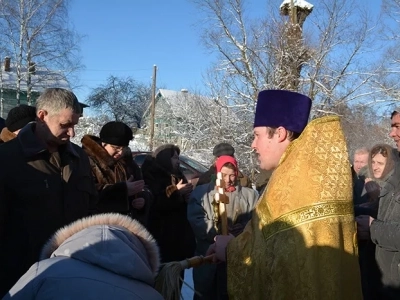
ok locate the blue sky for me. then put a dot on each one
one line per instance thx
(127, 37)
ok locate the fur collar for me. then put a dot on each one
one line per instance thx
(93, 148)
(106, 219)
(6, 135)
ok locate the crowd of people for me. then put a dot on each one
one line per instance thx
(88, 222)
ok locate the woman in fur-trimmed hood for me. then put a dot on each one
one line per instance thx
(108, 256)
(168, 215)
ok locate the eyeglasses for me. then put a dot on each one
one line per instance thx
(118, 148)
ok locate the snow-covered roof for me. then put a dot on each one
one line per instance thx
(297, 3)
(174, 98)
(41, 80)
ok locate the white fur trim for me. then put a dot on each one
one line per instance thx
(106, 219)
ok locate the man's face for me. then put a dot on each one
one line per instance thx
(60, 126)
(268, 150)
(395, 130)
(360, 160)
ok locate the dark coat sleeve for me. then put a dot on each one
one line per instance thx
(113, 198)
(3, 209)
(166, 197)
(206, 176)
(199, 219)
(3, 220)
(108, 197)
(386, 234)
(90, 188)
(369, 209)
(136, 171)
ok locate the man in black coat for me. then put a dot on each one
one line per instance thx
(45, 183)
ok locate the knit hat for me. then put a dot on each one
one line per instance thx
(116, 133)
(223, 149)
(282, 108)
(19, 116)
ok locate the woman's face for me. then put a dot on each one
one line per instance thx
(229, 176)
(378, 165)
(175, 161)
(114, 151)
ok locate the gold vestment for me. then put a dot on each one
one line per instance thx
(301, 241)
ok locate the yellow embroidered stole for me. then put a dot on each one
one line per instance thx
(301, 241)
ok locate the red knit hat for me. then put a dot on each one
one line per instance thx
(224, 159)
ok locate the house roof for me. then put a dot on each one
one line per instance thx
(42, 79)
(169, 95)
(174, 99)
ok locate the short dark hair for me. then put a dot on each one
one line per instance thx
(291, 135)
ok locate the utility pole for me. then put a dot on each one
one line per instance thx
(153, 107)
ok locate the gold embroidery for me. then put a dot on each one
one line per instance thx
(300, 243)
(307, 214)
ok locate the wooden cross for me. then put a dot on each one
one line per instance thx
(221, 200)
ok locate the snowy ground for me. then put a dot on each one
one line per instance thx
(187, 293)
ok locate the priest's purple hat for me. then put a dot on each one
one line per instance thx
(282, 108)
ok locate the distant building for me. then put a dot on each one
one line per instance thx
(41, 79)
(170, 108)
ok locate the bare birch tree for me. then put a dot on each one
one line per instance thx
(38, 34)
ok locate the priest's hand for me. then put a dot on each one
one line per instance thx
(219, 247)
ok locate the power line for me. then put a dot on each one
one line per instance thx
(133, 70)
